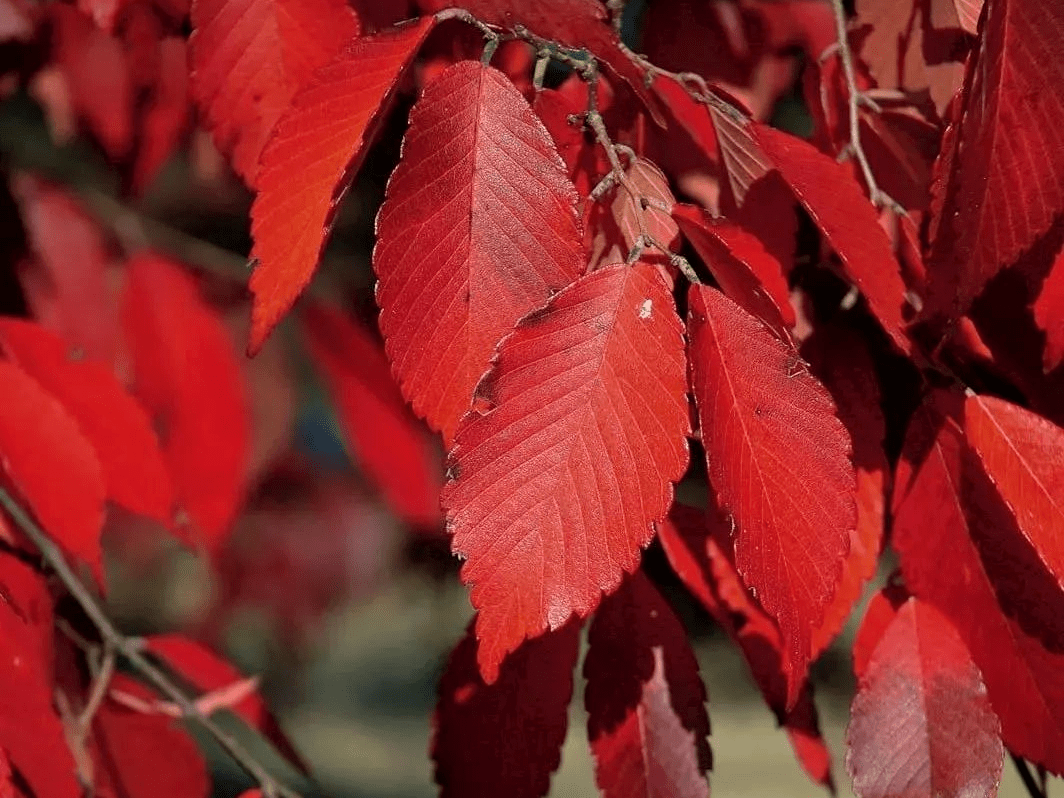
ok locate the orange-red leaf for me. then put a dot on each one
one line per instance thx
(317, 147)
(249, 57)
(921, 723)
(504, 738)
(779, 460)
(388, 443)
(1023, 454)
(51, 464)
(186, 372)
(1007, 173)
(645, 700)
(557, 483)
(479, 227)
(111, 420)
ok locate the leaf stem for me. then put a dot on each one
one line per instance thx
(130, 650)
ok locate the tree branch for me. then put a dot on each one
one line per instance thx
(1027, 777)
(130, 650)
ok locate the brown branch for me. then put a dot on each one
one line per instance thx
(1033, 789)
(130, 650)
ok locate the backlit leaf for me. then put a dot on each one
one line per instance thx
(779, 461)
(645, 700)
(249, 57)
(479, 227)
(504, 738)
(557, 483)
(317, 147)
(921, 724)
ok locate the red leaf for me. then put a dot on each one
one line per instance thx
(936, 479)
(921, 723)
(206, 671)
(1022, 454)
(840, 359)
(695, 546)
(840, 209)
(388, 444)
(167, 115)
(557, 486)
(629, 219)
(473, 235)
(1007, 180)
(504, 738)
(645, 700)
(575, 23)
(585, 160)
(1049, 313)
(111, 420)
(52, 465)
(187, 374)
(30, 732)
(139, 755)
(316, 150)
(250, 57)
(72, 296)
(881, 610)
(761, 413)
(746, 272)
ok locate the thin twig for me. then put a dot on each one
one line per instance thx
(876, 195)
(101, 680)
(130, 650)
(1026, 776)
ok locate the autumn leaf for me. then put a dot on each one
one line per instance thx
(111, 420)
(779, 461)
(479, 227)
(559, 476)
(249, 57)
(1006, 184)
(317, 148)
(921, 723)
(1049, 314)
(504, 738)
(387, 442)
(186, 372)
(636, 220)
(645, 700)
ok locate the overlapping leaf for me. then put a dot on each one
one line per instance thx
(111, 420)
(504, 738)
(697, 548)
(386, 440)
(647, 720)
(479, 227)
(1006, 183)
(779, 461)
(558, 478)
(938, 479)
(249, 57)
(186, 373)
(1049, 314)
(921, 723)
(316, 149)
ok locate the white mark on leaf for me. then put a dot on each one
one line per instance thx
(646, 308)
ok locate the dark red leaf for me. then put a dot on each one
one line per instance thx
(1007, 174)
(207, 671)
(474, 234)
(187, 374)
(504, 738)
(250, 57)
(313, 156)
(387, 442)
(746, 272)
(55, 469)
(30, 732)
(68, 291)
(1049, 313)
(696, 546)
(558, 478)
(761, 414)
(921, 723)
(645, 700)
(111, 420)
(1022, 453)
(938, 479)
(142, 755)
(584, 159)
